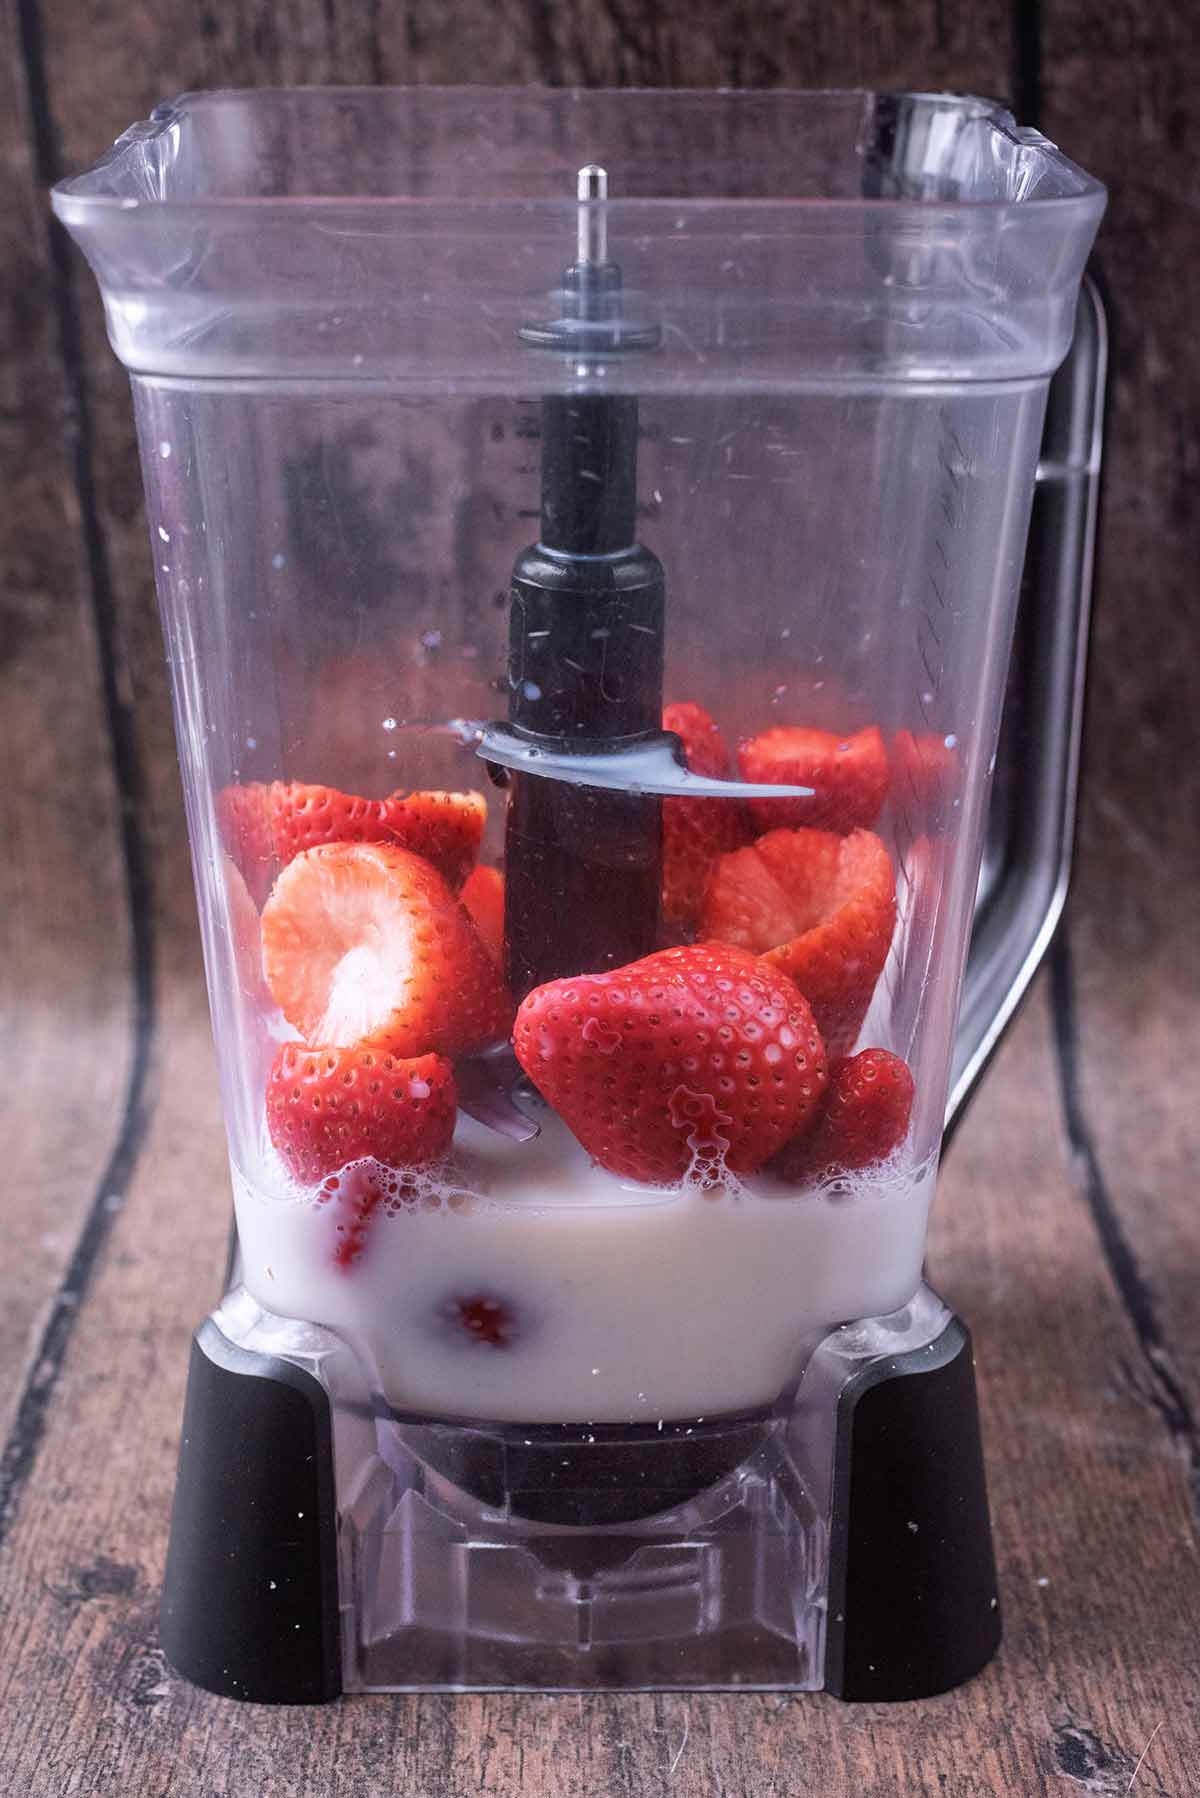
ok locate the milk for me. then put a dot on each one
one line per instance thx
(527, 1284)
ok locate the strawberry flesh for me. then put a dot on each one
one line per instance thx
(365, 942)
(689, 1062)
(821, 908)
(849, 777)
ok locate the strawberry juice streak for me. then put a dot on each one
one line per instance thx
(538, 1288)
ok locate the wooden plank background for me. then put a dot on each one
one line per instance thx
(1066, 1227)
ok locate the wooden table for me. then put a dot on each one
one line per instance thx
(1065, 1230)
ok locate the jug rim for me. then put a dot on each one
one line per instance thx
(78, 196)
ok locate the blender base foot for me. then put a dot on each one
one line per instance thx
(841, 1542)
(250, 1594)
(913, 1608)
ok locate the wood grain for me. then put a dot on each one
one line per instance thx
(1085, 1490)
(64, 982)
(1064, 1231)
(1123, 91)
(101, 78)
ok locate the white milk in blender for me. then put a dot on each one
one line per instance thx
(529, 1285)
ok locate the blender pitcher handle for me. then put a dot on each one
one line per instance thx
(1031, 821)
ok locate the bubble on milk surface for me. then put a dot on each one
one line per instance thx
(883, 1179)
(393, 1190)
(705, 1123)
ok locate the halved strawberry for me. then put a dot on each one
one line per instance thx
(483, 896)
(690, 1060)
(866, 1118)
(365, 943)
(849, 776)
(819, 906)
(696, 831)
(244, 823)
(446, 828)
(327, 1106)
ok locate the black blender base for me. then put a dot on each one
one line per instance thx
(913, 1605)
(251, 1605)
(250, 1593)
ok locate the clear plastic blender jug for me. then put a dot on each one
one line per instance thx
(587, 531)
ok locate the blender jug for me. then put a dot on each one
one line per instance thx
(588, 530)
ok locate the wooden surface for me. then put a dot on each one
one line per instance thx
(1066, 1226)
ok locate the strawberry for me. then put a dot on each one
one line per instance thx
(692, 1059)
(696, 831)
(821, 908)
(327, 1106)
(243, 820)
(866, 1116)
(704, 748)
(483, 897)
(365, 943)
(445, 828)
(849, 775)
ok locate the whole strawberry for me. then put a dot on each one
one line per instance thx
(691, 1059)
(866, 1118)
(696, 831)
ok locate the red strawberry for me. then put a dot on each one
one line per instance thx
(696, 831)
(849, 775)
(445, 828)
(820, 907)
(365, 943)
(327, 1107)
(704, 748)
(867, 1110)
(481, 1318)
(243, 819)
(483, 897)
(687, 1059)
